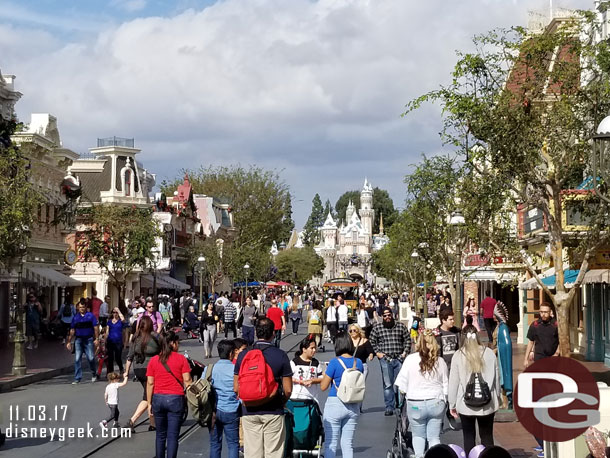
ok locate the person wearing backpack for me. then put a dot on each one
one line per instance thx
(226, 416)
(263, 381)
(66, 312)
(474, 388)
(345, 378)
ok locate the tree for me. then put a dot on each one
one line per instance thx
(298, 265)
(214, 269)
(311, 233)
(382, 204)
(328, 208)
(120, 239)
(522, 110)
(18, 196)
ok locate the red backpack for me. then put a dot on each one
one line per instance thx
(257, 385)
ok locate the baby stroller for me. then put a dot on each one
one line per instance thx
(402, 443)
(191, 326)
(308, 432)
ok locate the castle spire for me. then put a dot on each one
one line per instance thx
(381, 224)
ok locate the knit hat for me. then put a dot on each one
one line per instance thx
(500, 312)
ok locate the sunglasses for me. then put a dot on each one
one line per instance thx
(352, 331)
(387, 316)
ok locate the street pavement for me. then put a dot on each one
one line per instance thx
(84, 407)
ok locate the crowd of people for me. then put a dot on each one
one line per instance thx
(427, 375)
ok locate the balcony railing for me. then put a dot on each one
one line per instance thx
(115, 141)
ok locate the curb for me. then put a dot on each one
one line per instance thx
(28, 379)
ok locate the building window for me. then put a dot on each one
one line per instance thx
(127, 183)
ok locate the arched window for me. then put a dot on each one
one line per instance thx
(127, 182)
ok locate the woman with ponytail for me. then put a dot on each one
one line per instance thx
(424, 380)
(471, 359)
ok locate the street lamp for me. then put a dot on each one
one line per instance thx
(19, 365)
(415, 256)
(246, 268)
(457, 222)
(600, 158)
(154, 262)
(201, 265)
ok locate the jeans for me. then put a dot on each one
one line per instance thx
(114, 351)
(339, 420)
(295, 325)
(227, 422)
(83, 345)
(277, 337)
(426, 419)
(490, 326)
(389, 372)
(209, 336)
(343, 326)
(114, 413)
(167, 409)
(486, 430)
(230, 325)
(247, 332)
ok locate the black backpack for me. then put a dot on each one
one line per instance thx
(67, 311)
(477, 393)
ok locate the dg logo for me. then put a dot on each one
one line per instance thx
(557, 399)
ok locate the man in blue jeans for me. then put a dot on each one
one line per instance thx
(84, 332)
(227, 405)
(392, 343)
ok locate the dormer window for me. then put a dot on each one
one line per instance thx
(127, 182)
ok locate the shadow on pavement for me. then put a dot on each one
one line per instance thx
(23, 442)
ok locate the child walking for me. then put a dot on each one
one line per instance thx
(111, 396)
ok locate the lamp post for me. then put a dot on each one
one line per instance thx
(246, 268)
(415, 256)
(201, 265)
(456, 221)
(19, 365)
(600, 159)
(154, 262)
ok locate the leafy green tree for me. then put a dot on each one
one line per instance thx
(18, 196)
(343, 201)
(522, 110)
(311, 233)
(298, 265)
(120, 239)
(214, 269)
(328, 208)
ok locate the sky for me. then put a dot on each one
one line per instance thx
(313, 89)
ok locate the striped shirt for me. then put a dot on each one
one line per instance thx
(229, 313)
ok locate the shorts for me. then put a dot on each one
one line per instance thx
(32, 329)
(140, 374)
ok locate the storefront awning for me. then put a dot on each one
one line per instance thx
(569, 279)
(490, 275)
(46, 276)
(597, 276)
(147, 281)
(175, 284)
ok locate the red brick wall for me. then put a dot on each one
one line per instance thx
(471, 288)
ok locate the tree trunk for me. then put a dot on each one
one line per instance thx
(122, 286)
(562, 305)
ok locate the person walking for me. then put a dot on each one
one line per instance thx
(168, 374)
(306, 372)
(111, 398)
(145, 345)
(391, 341)
(226, 411)
(340, 419)
(543, 342)
(342, 314)
(448, 339)
(364, 349)
(84, 334)
(295, 318)
(114, 340)
(423, 380)
(276, 315)
(208, 328)
(487, 305)
(263, 424)
(249, 315)
(314, 322)
(66, 313)
(33, 316)
(104, 312)
(228, 318)
(332, 318)
(154, 315)
(471, 362)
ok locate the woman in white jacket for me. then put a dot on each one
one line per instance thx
(423, 379)
(472, 358)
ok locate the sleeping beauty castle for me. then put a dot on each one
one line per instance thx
(346, 248)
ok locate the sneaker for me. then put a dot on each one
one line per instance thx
(103, 424)
(29, 347)
(94, 379)
(540, 455)
(75, 382)
(35, 345)
(451, 423)
(116, 424)
(538, 449)
(388, 413)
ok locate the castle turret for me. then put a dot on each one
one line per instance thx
(367, 214)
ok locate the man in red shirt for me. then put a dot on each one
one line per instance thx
(276, 315)
(95, 304)
(488, 305)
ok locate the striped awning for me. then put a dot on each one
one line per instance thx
(46, 276)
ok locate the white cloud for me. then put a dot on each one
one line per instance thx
(315, 88)
(129, 5)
